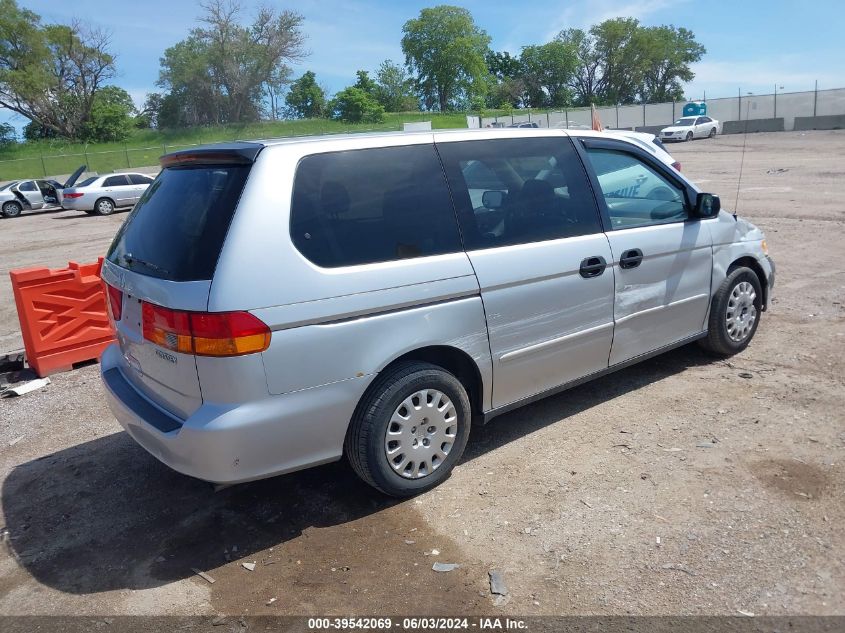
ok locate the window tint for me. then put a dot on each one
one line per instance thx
(177, 229)
(372, 205)
(138, 179)
(546, 193)
(115, 181)
(27, 186)
(635, 193)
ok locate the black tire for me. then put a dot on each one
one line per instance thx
(719, 340)
(104, 206)
(12, 209)
(365, 439)
(90, 212)
(712, 133)
(689, 136)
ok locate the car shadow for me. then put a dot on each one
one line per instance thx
(105, 515)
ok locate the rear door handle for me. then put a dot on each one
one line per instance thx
(631, 258)
(592, 266)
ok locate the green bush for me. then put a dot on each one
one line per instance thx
(354, 105)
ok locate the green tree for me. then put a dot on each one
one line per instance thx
(50, 73)
(506, 88)
(503, 65)
(547, 71)
(619, 47)
(585, 80)
(354, 105)
(306, 99)
(667, 55)
(445, 49)
(111, 116)
(365, 82)
(8, 135)
(394, 88)
(620, 61)
(226, 71)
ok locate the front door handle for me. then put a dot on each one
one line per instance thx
(631, 258)
(592, 266)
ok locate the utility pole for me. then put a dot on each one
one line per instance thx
(816, 97)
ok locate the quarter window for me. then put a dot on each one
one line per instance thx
(372, 205)
(636, 194)
(514, 191)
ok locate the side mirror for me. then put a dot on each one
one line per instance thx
(493, 199)
(707, 205)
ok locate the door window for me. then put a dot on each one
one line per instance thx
(515, 191)
(636, 194)
(372, 205)
(115, 181)
(27, 186)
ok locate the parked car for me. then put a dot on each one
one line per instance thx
(101, 195)
(690, 127)
(281, 304)
(36, 194)
(651, 143)
(531, 124)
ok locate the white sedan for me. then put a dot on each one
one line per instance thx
(690, 127)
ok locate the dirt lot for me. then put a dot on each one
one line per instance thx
(597, 501)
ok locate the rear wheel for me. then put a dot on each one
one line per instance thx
(689, 136)
(12, 209)
(104, 206)
(712, 133)
(735, 313)
(409, 430)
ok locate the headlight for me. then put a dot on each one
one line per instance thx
(764, 247)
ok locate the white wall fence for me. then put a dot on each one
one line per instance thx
(787, 105)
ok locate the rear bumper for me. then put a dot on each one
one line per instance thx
(85, 203)
(233, 443)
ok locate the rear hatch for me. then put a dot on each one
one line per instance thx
(159, 267)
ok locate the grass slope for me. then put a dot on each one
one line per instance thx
(143, 148)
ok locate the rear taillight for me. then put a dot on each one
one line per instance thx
(677, 165)
(115, 302)
(205, 333)
(73, 195)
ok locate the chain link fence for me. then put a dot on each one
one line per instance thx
(791, 107)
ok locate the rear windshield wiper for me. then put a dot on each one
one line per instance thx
(130, 259)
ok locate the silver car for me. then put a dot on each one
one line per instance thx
(34, 195)
(281, 304)
(101, 195)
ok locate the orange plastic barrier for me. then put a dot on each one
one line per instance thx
(62, 315)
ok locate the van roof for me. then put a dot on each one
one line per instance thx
(253, 146)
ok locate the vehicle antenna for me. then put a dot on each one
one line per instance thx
(742, 159)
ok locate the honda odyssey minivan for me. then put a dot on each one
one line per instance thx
(282, 304)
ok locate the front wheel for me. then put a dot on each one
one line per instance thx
(12, 209)
(104, 206)
(735, 313)
(689, 136)
(409, 430)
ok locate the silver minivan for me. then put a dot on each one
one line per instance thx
(282, 304)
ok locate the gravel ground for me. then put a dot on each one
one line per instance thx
(682, 485)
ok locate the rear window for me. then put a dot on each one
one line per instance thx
(87, 181)
(372, 205)
(176, 230)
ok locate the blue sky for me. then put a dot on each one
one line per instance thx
(751, 44)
